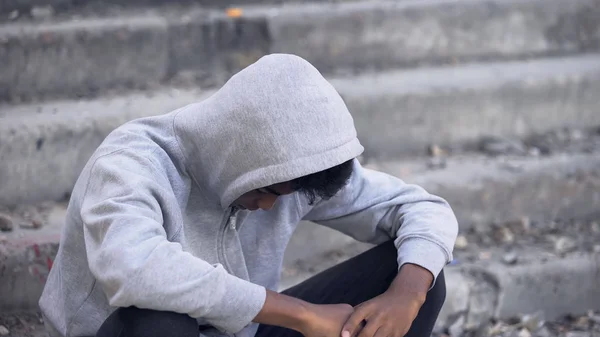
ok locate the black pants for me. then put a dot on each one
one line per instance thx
(353, 282)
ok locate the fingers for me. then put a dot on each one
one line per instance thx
(381, 332)
(370, 329)
(352, 325)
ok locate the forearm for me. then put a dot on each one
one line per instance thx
(412, 280)
(284, 311)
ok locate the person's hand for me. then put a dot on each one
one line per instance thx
(391, 314)
(386, 315)
(326, 320)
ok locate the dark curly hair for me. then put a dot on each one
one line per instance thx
(324, 184)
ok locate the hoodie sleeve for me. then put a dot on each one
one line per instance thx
(131, 257)
(375, 207)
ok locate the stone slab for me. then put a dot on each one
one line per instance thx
(387, 34)
(81, 57)
(74, 55)
(22, 267)
(43, 146)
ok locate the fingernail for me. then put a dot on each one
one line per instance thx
(345, 333)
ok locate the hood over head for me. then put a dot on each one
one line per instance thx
(274, 121)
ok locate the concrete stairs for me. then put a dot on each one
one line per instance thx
(85, 53)
(397, 113)
(413, 73)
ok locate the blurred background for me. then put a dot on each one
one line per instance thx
(492, 104)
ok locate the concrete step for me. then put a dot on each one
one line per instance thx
(483, 292)
(504, 271)
(43, 146)
(481, 191)
(27, 7)
(75, 55)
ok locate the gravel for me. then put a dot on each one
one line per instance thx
(533, 326)
(6, 223)
(22, 325)
(28, 217)
(565, 140)
(547, 239)
(30, 325)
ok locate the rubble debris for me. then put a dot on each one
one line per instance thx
(564, 245)
(503, 234)
(545, 239)
(436, 151)
(32, 222)
(6, 223)
(435, 163)
(510, 258)
(533, 322)
(457, 328)
(496, 146)
(531, 325)
(524, 333)
(461, 242)
(42, 12)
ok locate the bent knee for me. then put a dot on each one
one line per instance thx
(146, 322)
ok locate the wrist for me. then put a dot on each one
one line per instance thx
(303, 317)
(285, 311)
(412, 281)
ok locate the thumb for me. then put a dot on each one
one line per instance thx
(352, 324)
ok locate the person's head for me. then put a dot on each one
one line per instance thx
(323, 185)
(276, 120)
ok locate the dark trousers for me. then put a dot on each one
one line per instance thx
(353, 282)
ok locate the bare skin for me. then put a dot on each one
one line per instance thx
(388, 315)
(391, 314)
(263, 198)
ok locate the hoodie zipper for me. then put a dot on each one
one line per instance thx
(229, 220)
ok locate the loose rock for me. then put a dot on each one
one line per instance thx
(582, 323)
(6, 223)
(520, 226)
(457, 328)
(34, 223)
(535, 152)
(436, 151)
(533, 322)
(461, 242)
(543, 332)
(495, 146)
(504, 234)
(578, 334)
(575, 134)
(510, 258)
(524, 333)
(4, 331)
(564, 245)
(436, 163)
(595, 319)
(41, 12)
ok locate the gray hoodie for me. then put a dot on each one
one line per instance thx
(150, 223)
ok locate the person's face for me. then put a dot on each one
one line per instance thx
(263, 198)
